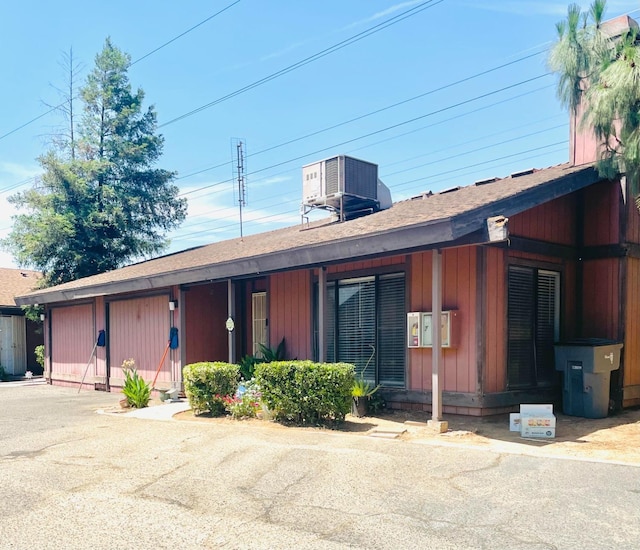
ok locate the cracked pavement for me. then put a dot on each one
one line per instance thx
(71, 478)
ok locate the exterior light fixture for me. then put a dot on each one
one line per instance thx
(173, 304)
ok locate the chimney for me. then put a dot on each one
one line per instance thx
(583, 146)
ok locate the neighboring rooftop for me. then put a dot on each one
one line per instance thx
(424, 221)
(15, 282)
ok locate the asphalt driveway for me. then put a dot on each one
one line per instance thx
(71, 478)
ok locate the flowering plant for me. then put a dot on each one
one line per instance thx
(245, 403)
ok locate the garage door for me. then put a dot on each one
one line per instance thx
(139, 330)
(72, 341)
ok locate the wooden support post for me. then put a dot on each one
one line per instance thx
(436, 422)
(231, 300)
(322, 308)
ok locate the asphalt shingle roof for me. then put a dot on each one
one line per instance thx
(424, 211)
(15, 282)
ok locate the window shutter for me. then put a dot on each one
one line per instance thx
(356, 325)
(391, 330)
(547, 313)
(520, 327)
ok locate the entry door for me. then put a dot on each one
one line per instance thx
(6, 344)
(13, 354)
(259, 321)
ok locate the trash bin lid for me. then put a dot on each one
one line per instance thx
(588, 342)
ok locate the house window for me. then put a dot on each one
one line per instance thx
(365, 326)
(259, 320)
(533, 326)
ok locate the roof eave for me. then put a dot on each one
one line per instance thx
(392, 241)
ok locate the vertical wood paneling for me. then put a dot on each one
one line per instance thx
(459, 293)
(600, 299)
(72, 340)
(101, 352)
(631, 350)
(633, 221)
(553, 221)
(290, 312)
(139, 330)
(205, 337)
(495, 333)
(366, 264)
(601, 214)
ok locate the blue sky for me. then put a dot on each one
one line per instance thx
(451, 134)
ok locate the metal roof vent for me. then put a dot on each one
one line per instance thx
(488, 180)
(523, 173)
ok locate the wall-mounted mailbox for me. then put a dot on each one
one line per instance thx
(420, 331)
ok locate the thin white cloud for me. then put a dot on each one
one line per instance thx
(285, 50)
(381, 14)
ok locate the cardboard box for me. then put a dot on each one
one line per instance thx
(536, 410)
(514, 422)
(537, 421)
(538, 426)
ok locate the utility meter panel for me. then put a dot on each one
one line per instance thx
(414, 332)
(422, 322)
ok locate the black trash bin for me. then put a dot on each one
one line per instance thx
(586, 364)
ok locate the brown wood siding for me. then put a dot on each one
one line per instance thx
(139, 330)
(633, 221)
(205, 337)
(459, 293)
(495, 370)
(600, 298)
(554, 222)
(631, 350)
(290, 312)
(72, 339)
(601, 214)
(366, 264)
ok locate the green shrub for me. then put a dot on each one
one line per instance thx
(136, 390)
(306, 392)
(3, 374)
(39, 352)
(206, 385)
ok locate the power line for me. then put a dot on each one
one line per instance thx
(391, 127)
(132, 63)
(185, 32)
(371, 113)
(323, 53)
(430, 153)
(269, 216)
(384, 176)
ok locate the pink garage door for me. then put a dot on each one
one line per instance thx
(72, 340)
(139, 330)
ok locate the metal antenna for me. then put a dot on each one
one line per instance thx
(239, 176)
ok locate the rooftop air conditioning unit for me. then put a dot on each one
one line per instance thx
(340, 182)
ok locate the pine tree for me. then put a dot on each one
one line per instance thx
(102, 204)
(603, 74)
